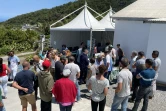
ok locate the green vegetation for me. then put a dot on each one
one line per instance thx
(12, 38)
(16, 40)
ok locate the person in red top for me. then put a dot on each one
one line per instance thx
(4, 70)
(65, 91)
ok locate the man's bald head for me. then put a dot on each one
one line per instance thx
(26, 65)
(36, 58)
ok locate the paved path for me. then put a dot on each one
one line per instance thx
(12, 103)
(21, 54)
(156, 104)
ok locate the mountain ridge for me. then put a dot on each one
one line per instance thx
(48, 16)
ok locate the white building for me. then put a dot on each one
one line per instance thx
(142, 26)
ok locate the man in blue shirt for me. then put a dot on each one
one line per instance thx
(140, 66)
(24, 82)
(146, 77)
(84, 62)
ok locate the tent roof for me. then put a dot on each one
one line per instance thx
(83, 22)
(143, 9)
(107, 21)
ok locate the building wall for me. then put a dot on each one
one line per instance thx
(132, 35)
(157, 41)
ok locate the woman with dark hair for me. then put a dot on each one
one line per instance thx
(98, 86)
(4, 70)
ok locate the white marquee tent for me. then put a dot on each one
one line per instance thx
(107, 21)
(80, 29)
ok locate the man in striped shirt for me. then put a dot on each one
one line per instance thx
(146, 77)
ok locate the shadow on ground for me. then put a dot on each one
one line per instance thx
(161, 88)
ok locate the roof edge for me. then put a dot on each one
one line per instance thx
(131, 18)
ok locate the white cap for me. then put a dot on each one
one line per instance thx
(66, 72)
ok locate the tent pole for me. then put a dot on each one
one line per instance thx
(91, 34)
(95, 11)
(66, 16)
(102, 14)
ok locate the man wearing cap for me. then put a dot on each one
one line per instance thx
(46, 83)
(99, 61)
(65, 91)
(59, 65)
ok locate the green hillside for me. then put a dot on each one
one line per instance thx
(48, 16)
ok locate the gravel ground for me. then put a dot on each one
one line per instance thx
(156, 104)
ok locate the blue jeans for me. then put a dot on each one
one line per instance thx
(2, 108)
(107, 75)
(78, 91)
(120, 100)
(65, 108)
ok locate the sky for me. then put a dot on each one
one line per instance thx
(12, 8)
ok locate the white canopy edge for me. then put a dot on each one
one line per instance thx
(89, 23)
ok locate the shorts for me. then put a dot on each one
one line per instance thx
(29, 98)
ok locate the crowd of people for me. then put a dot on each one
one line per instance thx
(58, 74)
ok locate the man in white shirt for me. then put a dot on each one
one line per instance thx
(99, 61)
(75, 74)
(133, 61)
(14, 61)
(122, 91)
(156, 67)
(38, 66)
(113, 54)
(108, 63)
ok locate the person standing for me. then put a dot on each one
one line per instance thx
(54, 59)
(3, 77)
(99, 61)
(140, 66)
(65, 91)
(2, 107)
(75, 74)
(146, 77)
(14, 61)
(37, 63)
(84, 62)
(113, 54)
(59, 66)
(93, 70)
(107, 46)
(24, 83)
(108, 64)
(79, 52)
(122, 91)
(64, 47)
(46, 83)
(133, 61)
(120, 52)
(156, 67)
(98, 86)
(37, 67)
